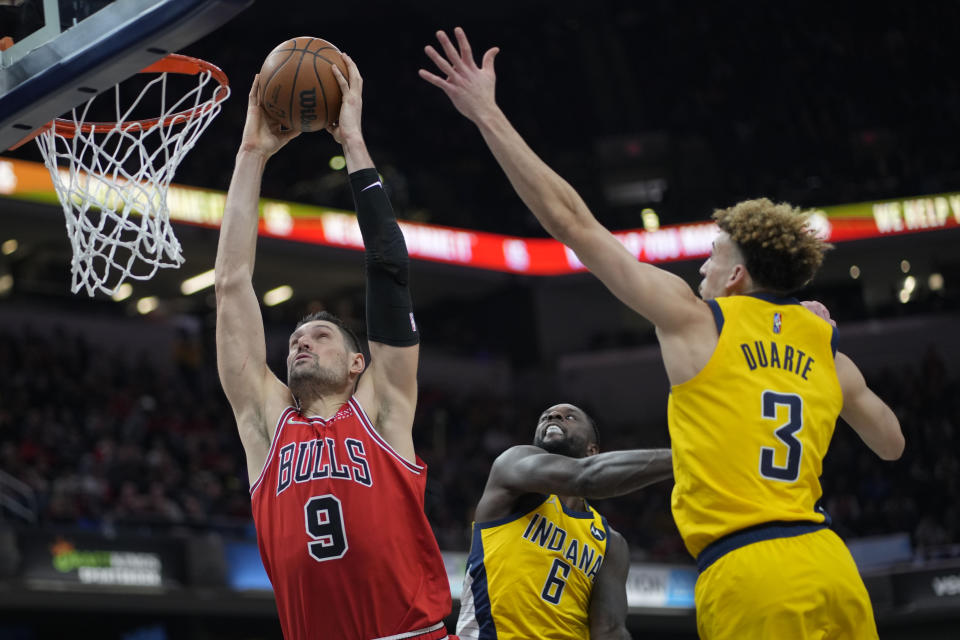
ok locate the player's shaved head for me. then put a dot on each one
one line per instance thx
(568, 430)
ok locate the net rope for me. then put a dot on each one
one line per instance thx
(112, 181)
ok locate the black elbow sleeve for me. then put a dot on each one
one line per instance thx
(389, 307)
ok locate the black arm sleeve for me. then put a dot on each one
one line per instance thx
(389, 308)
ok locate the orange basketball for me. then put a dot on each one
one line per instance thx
(297, 85)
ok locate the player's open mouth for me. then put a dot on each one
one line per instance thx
(552, 429)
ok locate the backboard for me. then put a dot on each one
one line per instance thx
(66, 51)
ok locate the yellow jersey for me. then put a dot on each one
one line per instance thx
(530, 575)
(750, 430)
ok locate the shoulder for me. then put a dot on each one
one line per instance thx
(502, 495)
(509, 459)
(616, 538)
(514, 455)
(732, 304)
(849, 375)
(618, 551)
(696, 318)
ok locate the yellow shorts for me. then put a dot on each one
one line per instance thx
(797, 588)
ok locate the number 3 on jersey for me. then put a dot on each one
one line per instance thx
(786, 433)
(325, 526)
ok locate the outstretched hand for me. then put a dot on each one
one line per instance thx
(347, 124)
(260, 132)
(470, 88)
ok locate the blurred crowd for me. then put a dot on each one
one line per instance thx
(917, 493)
(697, 106)
(104, 438)
(820, 104)
(120, 441)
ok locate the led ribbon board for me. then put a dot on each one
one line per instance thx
(481, 250)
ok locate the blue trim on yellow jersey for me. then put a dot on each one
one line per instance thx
(818, 507)
(766, 531)
(510, 518)
(833, 342)
(773, 298)
(717, 314)
(573, 513)
(481, 597)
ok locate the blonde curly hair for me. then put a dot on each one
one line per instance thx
(781, 251)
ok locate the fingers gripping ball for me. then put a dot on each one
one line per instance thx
(297, 85)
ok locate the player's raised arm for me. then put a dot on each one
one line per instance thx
(529, 469)
(663, 298)
(868, 415)
(241, 349)
(608, 600)
(388, 389)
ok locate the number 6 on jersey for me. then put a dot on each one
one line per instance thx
(325, 526)
(556, 581)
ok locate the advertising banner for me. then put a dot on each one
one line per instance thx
(648, 586)
(652, 586)
(929, 588)
(494, 252)
(245, 570)
(86, 560)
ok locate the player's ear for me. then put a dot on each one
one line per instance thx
(357, 363)
(593, 449)
(738, 279)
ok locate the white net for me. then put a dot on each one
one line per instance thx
(112, 178)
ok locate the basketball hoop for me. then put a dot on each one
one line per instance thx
(112, 177)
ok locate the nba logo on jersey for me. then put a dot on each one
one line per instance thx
(776, 322)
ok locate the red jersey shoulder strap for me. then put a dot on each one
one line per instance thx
(414, 467)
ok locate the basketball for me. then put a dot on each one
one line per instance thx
(297, 85)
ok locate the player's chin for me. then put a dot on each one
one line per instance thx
(296, 375)
(556, 444)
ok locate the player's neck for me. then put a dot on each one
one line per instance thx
(574, 503)
(744, 285)
(761, 291)
(325, 406)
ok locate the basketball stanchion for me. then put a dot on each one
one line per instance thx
(112, 177)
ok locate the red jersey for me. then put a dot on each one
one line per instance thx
(343, 535)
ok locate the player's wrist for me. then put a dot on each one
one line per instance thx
(352, 141)
(489, 117)
(253, 152)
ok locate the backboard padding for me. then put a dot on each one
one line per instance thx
(97, 53)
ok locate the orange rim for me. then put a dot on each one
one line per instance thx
(173, 63)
